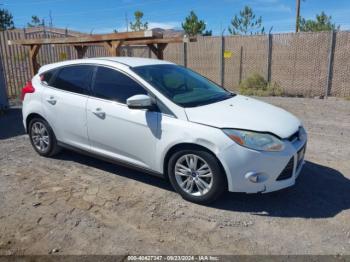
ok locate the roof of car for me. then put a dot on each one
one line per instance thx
(123, 61)
(134, 61)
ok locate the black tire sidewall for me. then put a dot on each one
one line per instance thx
(219, 181)
(52, 139)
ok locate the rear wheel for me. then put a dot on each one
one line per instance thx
(196, 175)
(42, 137)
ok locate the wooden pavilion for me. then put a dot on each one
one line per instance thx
(112, 42)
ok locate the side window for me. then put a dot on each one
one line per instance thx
(74, 79)
(113, 85)
(47, 76)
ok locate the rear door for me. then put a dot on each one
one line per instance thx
(64, 101)
(115, 130)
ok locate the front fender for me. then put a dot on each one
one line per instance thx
(175, 132)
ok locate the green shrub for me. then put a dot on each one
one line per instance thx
(256, 85)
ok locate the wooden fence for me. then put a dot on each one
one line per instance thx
(305, 64)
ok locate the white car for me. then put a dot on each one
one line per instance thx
(165, 119)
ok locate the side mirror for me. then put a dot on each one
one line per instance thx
(140, 102)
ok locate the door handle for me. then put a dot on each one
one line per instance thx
(99, 113)
(51, 100)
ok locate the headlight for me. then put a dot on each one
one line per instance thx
(254, 140)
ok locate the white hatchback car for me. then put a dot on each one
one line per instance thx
(166, 119)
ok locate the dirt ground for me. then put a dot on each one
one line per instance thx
(79, 205)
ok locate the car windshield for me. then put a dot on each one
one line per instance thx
(181, 85)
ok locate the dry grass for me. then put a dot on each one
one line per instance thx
(256, 85)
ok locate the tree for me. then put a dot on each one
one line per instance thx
(322, 23)
(246, 23)
(192, 25)
(6, 20)
(36, 21)
(138, 25)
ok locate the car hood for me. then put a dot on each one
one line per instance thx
(245, 113)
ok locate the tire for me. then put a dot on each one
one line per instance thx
(38, 130)
(182, 162)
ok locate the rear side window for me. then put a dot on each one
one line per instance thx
(47, 76)
(75, 79)
(113, 85)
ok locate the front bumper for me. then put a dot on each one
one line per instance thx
(240, 163)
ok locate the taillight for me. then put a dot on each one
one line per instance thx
(28, 88)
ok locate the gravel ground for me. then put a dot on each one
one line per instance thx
(79, 205)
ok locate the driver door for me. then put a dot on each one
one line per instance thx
(115, 130)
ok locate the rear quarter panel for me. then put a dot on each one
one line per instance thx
(32, 102)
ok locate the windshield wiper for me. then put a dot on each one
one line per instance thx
(208, 101)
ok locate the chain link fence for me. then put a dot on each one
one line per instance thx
(340, 85)
(302, 64)
(247, 55)
(299, 63)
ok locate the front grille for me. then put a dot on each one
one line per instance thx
(287, 172)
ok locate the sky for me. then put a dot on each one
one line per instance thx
(103, 16)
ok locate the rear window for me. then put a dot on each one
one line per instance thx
(75, 79)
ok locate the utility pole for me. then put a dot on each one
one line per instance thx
(50, 17)
(127, 22)
(297, 21)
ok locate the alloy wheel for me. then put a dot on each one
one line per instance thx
(193, 175)
(40, 136)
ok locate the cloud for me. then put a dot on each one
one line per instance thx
(275, 8)
(103, 30)
(164, 25)
(151, 25)
(271, 6)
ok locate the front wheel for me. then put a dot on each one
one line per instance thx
(196, 175)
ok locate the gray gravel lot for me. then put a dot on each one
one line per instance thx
(80, 205)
